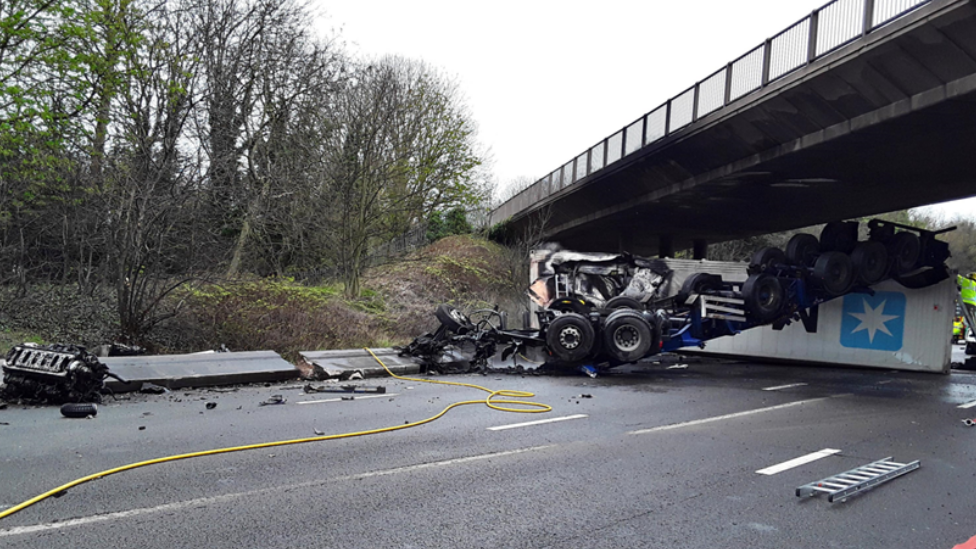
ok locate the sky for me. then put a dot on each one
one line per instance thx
(545, 80)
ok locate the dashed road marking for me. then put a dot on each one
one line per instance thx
(224, 498)
(802, 460)
(724, 417)
(778, 387)
(539, 422)
(354, 395)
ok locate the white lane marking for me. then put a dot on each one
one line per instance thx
(539, 422)
(677, 367)
(726, 416)
(202, 502)
(778, 387)
(356, 397)
(968, 404)
(802, 460)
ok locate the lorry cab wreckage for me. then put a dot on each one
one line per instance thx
(613, 309)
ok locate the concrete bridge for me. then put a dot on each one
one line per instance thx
(862, 107)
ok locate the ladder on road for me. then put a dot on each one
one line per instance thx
(839, 487)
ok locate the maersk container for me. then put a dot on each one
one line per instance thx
(896, 328)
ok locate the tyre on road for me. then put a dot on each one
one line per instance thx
(627, 335)
(79, 410)
(570, 337)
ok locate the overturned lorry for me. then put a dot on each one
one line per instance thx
(612, 309)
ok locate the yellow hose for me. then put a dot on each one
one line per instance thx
(528, 407)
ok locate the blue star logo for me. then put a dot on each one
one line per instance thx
(873, 322)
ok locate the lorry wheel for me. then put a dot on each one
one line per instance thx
(570, 337)
(696, 284)
(766, 258)
(838, 236)
(627, 335)
(763, 295)
(870, 260)
(79, 410)
(903, 249)
(802, 249)
(623, 302)
(453, 319)
(835, 273)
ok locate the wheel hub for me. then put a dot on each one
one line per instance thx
(626, 338)
(570, 337)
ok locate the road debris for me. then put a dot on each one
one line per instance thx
(848, 483)
(677, 367)
(142, 427)
(152, 389)
(344, 389)
(211, 405)
(969, 422)
(275, 399)
(79, 410)
(53, 373)
(317, 432)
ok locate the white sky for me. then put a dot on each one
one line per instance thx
(545, 80)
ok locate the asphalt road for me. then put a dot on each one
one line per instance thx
(653, 457)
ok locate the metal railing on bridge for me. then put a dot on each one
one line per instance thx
(826, 29)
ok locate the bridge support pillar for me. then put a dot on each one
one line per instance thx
(665, 247)
(700, 250)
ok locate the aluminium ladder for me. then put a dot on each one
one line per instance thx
(840, 487)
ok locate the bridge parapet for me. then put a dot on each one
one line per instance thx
(826, 29)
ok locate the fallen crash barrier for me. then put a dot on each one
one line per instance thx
(344, 364)
(198, 370)
(492, 401)
(842, 486)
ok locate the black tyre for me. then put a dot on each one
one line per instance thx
(834, 272)
(838, 236)
(802, 249)
(904, 250)
(766, 258)
(570, 337)
(627, 336)
(764, 297)
(696, 284)
(79, 410)
(870, 261)
(925, 278)
(453, 319)
(623, 302)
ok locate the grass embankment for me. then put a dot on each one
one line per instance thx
(397, 305)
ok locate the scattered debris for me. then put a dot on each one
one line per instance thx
(211, 405)
(79, 410)
(53, 373)
(589, 370)
(275, 399)
(348, 398)
(142, 427)
(152, 389)
(584, 395)
(677, 367)
(344, 389)
(317, 432)
(356, 375)
(842, 486)
(969, 422)
(4, 423)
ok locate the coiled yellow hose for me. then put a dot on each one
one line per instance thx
(490, 401)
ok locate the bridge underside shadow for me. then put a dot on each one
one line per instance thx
(887, 122)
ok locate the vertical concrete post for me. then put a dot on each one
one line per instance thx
(767, 53)
(694, 106)
(728, 85)
(700, 249)
(814, 29)
(868, 16)
(665, 247)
